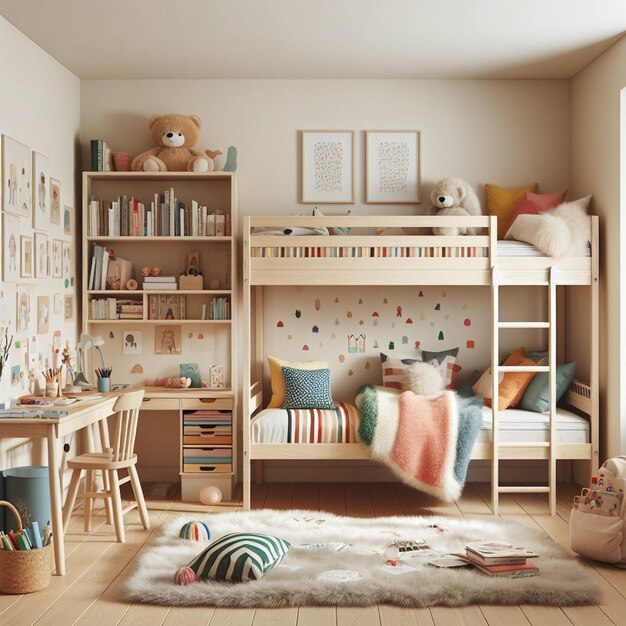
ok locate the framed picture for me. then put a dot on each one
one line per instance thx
(67, 219)
(57, 258)
(132, 342)
(23, 309)
(58, 304)
(168, 340)
(55, 202)
(67, 260)
(68, 308)
(328, 166)
(49, 259)
(41, 255)
(11, 248)
(43, 314)
(26, 264)
(41, 197)
(16, 177)
(393, 167)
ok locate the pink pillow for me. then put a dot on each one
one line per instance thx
(546, 201)
(524, 207)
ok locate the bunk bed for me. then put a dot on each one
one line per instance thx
(376, 258)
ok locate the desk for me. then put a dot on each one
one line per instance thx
(80, 415)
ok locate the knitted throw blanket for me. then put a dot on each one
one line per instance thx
(426, 440)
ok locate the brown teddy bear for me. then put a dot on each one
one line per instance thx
(174, 135)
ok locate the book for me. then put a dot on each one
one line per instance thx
(509, 571)
(159, 279)
(493, 552)
(160, 286)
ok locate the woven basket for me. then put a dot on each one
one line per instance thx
(24, 571)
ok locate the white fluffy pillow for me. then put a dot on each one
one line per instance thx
(563, 231)
(423, 379)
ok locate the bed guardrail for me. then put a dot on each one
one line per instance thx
(579, 396)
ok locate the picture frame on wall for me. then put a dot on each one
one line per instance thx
(67, 260)
(26, 257)
(67, 219)
(41, 255)
(68, 308)
(55, 202)
(58, 304)
(43, 314)
(327, 167)
(16, 177)
(11, 261)
(393, 165)
(23, 308)
(57, 258)
(41, 196)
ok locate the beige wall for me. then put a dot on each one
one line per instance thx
(596, 165)
(39, 106)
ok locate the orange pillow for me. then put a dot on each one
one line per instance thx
(501, 203)
(547, 201)
(514, 384)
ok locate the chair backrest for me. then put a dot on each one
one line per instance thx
(126, 410)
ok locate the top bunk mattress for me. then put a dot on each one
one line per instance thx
(342, 426)
(510, 247)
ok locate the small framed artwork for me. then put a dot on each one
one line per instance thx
(49, 259)
(67, 260)
(68, 308)
(393, 167)
(132, 342)
(43, 314)
(67, 219)
(216, 377)
(41, 255)
(328, 166)
(26, 263)
(58, 304)
(55, 202)
(11, 248)
(41, 197)
(168, 339)
(57, 258)
(16, 177)
(23, 309)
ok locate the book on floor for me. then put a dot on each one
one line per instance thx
(509, 571)
(498, 553)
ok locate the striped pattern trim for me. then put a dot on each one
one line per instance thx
(339, 425)
(240, 557)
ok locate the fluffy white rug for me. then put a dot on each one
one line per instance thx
(296, 582)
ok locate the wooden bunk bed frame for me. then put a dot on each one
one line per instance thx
(441, 261)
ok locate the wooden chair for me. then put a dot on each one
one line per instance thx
(120, 456)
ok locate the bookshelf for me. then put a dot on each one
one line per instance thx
(201, 340)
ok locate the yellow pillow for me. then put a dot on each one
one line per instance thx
(501, 203)
(278, 381)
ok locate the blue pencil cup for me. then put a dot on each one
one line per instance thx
(104, 385)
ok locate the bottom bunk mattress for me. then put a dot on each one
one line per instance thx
(341, 425)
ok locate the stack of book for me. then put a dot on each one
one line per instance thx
(101, 156)
(500, 558)
(130, 309)
(115, 309)
(160, 283)
(166, 307)
(163, 216)
(219, 309)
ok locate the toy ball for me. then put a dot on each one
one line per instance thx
(156, 271)
(184, 576)
(210, 495)
(196, 531)
(145, 271)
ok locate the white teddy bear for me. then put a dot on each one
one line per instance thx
(454, 197)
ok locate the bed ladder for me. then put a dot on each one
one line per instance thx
(496, 368)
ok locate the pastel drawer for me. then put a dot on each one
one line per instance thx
(217, 404)
(222, 468)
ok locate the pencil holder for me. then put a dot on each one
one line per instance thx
(104, 385)
(24, 571)
(52, 390)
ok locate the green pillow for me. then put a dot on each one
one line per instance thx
(307, 389)
(240, 557)
(537, 395)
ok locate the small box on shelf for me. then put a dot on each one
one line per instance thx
(191, 283)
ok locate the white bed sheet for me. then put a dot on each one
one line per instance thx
(510, 247)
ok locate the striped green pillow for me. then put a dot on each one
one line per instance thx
(240, 557)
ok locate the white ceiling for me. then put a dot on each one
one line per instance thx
(321, 38)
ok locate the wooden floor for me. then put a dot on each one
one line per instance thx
(96, 567)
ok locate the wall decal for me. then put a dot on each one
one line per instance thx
(336, 300)
(438, 307)
(280, 324)
(360, 300)
(305, 347)
(398, 311)
(349, 314)
(385, 301)
(342, 358)
(350, 373)
(375, 314)
(392, 345)
(470, 344)
(467, 322)
(420, 294)
(417, 345)
(289, 337)
(318, 304)
(111, 334)
(408, 320)
(137, 369)
(315, 329)
(440, 336)
(361, 322)
(298, 313)
(405, 339)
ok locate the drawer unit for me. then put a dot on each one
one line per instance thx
(216, 404)
(160, 404)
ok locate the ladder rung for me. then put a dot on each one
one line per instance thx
(520, 489)
(532, 444)
(523, 368)
(524, 325)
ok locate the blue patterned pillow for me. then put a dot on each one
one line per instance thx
(307, 389)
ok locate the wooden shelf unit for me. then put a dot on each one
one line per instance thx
(218, 259)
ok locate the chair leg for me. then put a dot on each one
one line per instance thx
(88, 500)
(139, 499)
(72, 492)
(116, 497)
(107, 501)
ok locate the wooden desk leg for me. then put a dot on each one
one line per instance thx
(106, 444)
(56, 503)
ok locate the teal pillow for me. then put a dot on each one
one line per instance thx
(307, 389)
(240, 557)
(537, 395)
